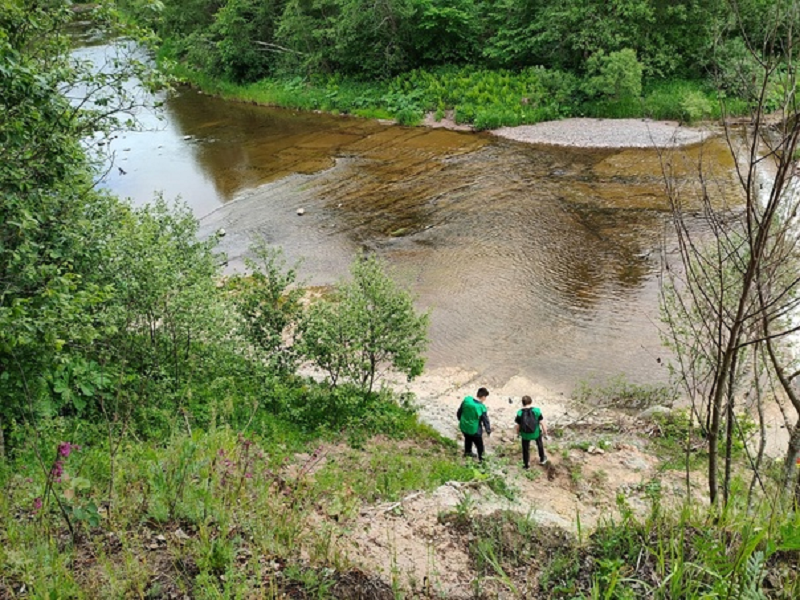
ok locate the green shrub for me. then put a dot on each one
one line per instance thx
(489, 119)
(695, 106)
(408, 116)
(615, 75)
(618, 391)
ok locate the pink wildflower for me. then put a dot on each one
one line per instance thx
(37, 504)
(57, 470)
(64, 449)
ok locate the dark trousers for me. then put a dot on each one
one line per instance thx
(476, 439)
(526, 451)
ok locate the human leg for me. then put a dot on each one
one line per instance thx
(526, 453)
(540, 448)
(467, 445)
(479, 446)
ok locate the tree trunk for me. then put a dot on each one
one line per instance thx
(790, 479)
(2, 441)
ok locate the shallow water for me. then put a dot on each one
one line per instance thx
(533, 260)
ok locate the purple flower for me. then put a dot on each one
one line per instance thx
(64, 448)
(248, 475)
(221, 452)
(37, 504)
(57, 471)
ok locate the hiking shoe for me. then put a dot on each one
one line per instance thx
(526, 467)
(543, 462)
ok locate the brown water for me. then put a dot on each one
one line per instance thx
(533, 260)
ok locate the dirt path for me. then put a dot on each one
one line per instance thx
(599, 454)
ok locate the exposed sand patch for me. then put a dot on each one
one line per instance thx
(607, 133)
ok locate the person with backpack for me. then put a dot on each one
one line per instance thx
(473, 419)
(530, 426)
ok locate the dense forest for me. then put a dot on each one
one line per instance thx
(494, 62)
(158, 436)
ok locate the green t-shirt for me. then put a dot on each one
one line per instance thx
(471, 412)
(530, 436)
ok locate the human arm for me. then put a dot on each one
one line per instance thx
(487, 426)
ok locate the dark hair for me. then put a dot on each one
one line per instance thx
(526, 400)
(483, 393)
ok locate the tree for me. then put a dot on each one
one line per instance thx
(50, 218)
(368, 324)
(270, 306)
(616, 75)
(736, 288)
(96, 299)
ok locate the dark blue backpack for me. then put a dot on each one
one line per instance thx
(529, 422)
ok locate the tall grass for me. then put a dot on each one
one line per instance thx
(199, 513)
(689, 552)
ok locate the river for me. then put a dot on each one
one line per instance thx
(533, 260)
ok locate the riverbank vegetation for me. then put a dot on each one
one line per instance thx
(488, 63)
(158, 436)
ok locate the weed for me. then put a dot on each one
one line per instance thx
(575, 473)
(465, 506)
(533, 474)
(600, 477)
(621, 393)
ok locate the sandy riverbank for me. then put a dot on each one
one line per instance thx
(594, 133)
(607, 133)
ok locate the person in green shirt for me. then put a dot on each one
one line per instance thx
(473, 419)
(539, 432)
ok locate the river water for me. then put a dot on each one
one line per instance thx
(533, 261)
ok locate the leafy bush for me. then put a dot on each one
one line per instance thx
(618, 391)
(695, 106)
(367, 324)
(615, 75)
(269, 306)
(408, 116)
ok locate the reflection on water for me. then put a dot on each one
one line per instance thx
(533, 260)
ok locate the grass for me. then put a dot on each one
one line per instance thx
(197, 513)
(687, 553)
(482, 98)
(621, 393)
(216, 514)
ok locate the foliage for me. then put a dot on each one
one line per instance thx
(206, 505)
(617, 75)
(665, 555)
(244, 33)
(269, 306)
(597, 40)
(54, 228)
(621, 393)
(367, 325)
(731, 303)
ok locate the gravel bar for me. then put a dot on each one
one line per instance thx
(606, 133)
